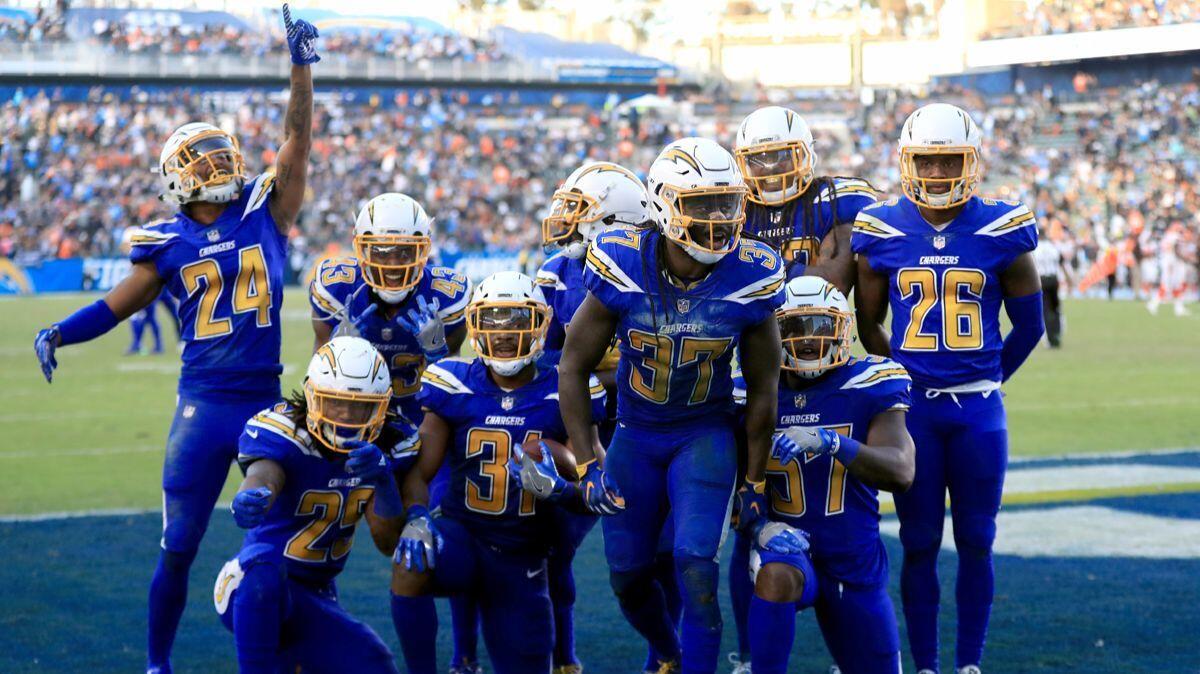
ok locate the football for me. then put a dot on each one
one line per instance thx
(564, 460)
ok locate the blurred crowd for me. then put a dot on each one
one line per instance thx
(1053, 17)
(1106, 174)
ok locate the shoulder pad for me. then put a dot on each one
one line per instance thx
(845, 187)
(875, 372)
(150, 235)
(329, 273)
(548, 275)
(447, 374)
(455, 290)
(260, 190)
(278, 423)
(1015, 216)
(614, 246)
(767, 267)
(870, 225)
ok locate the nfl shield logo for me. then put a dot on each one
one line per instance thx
(507, 403)
(683, 305)
(386, 333)
(800, 401)
(213, 235)
(939, 242)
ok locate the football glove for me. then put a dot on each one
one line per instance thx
(425, 324)
(420, 542)
(362, 322)
(791, 444)
(301, 38)
(539, 478)
(780, 538)
(44, 345)
(749, 505)
(600, 494)
(249, 507)
(366, 461)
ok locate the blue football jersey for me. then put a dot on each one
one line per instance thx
(676, 345)
(487, 421)
(796, 231)
(840, 513)
(338, 292)
(312, 521)
(561, 281)
(944, 285)
(227, 282)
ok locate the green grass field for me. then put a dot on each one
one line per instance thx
(1125, 380)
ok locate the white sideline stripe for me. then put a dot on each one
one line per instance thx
(97, 451)
(1126, 454)
(1085, 531)
(77, 514)
(1067, 478)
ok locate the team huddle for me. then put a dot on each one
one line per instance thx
(680, 366)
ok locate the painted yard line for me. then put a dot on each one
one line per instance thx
(887, 505)
(1086, 531)
(1071, 478)
(1119, 454)
(221, 506)
(97, 451)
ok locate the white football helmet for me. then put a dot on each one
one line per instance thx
(200, 162)
(507, 321)
(392, 238)
(347, 390)
(814, 326)
(593, 197)
(940, 129)
(774, 150)
(698, 197)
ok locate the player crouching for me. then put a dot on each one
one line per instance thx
(490, 538)
(313, 469)
(842, 436)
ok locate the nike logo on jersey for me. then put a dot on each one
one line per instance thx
(533, 573)
(252, 432)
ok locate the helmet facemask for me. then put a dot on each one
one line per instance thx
(335, 417)
(815, 339)
(508, 335)
(776, 173)
(208, 167)
(939, 193)
(705, 221)
(392, 264)
(569, 223)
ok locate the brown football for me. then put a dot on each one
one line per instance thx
(564, 460)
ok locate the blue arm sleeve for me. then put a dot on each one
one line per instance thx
(387, 497)
(1028, 326)
(86, 324)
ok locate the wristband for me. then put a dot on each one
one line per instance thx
(86, 324)
(416, 511)
(848, 449)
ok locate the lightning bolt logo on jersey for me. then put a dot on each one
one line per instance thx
(676, 345)
(796, 229)
(487, 421)
(312, 521)
(338, 293)
(840, 513)
(227, 281)
(944, 285)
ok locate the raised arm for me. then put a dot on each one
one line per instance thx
(588, 336)
(871, 305)
(291, 164)
(835, 260)
(263, 482)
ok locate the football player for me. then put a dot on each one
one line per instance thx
(592, 199)
(681, 298)
(314, 466)
(490, 538)
(804, 216)
(944, 259)
(222, 257)
(840, 436)
(412, 312)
